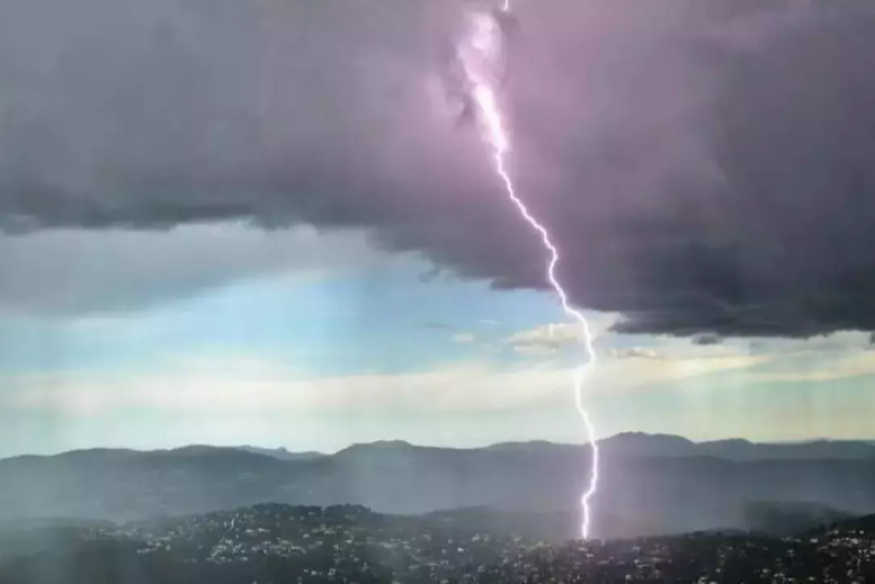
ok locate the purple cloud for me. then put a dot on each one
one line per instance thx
(707, 167)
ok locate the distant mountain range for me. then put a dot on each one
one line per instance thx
(282, 453)
(650, 483)
(642, 444)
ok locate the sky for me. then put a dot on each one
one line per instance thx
(262, 223)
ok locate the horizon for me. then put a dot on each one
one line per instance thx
(868, 441)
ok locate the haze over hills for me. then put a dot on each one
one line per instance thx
(650, 484)
(643, 444)
(739, 449)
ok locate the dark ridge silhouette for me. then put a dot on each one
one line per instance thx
(351, 543)
(650, 484)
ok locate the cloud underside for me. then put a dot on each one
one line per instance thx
(706, 168)
(74, 273)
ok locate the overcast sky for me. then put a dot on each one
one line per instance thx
(260, 222)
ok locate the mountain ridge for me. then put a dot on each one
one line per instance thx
(651, 484)
(638, 443)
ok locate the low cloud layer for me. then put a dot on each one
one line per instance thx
(74, 272)
(254, 385)
(240, 383)
(707, 167)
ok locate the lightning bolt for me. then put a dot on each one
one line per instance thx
(499, 140)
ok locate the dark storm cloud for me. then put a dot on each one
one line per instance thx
(706, 166)
(707, 339)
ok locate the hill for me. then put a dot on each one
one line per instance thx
(310, 545)
(641, 444)
(649, 485)
(282, 453)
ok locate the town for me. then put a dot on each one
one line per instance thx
(269, 544)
